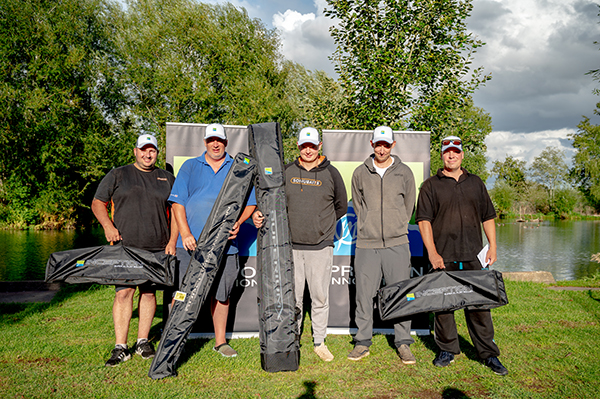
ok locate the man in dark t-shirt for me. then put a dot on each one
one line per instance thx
(453, 206)
(138, 196)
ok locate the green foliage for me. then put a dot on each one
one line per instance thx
(48, 80)
(586, 163)
(550, 170)
(184, 61)
(512, 171)
(504, 196)
(404, 63)
(565, 201)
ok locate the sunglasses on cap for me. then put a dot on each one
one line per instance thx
(455, 142)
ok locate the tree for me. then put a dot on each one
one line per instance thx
(185, 61)
(404, 63)
(586, 163)
(504, 196)
(512, 171)
(53, 107)
(550, 170)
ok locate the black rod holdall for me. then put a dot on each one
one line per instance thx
(278, 331)
(204, 265)
(442, 291)
(111, 265)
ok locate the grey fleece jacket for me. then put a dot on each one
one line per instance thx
(383, 206)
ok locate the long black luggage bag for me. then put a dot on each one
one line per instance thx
(203, 266)
(442, 291)
(110, 264)
(278, 331)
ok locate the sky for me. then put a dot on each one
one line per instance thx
(538, 52)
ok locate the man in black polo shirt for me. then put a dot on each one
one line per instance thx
(452, 207)
(138, 196)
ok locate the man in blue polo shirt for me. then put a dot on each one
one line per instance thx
(194, 193)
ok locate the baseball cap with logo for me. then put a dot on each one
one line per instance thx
(146, 139)
(451, 142)
(308, 135)
(383, 133)
(215, 130)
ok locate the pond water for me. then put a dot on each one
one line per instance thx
(563, 248)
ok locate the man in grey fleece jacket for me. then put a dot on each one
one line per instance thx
(316, 199)
(383, 194)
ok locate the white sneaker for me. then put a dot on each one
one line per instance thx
(323, 352)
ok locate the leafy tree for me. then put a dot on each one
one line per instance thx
(550, 170)
(404, 63)
(504, 196)
(185, 61)
(52, 108)
(512, 171)
(586, 163)
(565, 200)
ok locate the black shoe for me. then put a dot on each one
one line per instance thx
(145, 350)
(443, 359)
(117, 356)
(497, 367)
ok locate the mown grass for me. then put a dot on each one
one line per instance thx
(548, 339)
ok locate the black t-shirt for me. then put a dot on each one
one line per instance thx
(139, 203)
(455, 210)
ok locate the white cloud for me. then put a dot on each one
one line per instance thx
(305, 38)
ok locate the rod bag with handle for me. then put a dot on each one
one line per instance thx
(204, 265)
(279, 347)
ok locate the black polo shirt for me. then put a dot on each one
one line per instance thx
(455, 210)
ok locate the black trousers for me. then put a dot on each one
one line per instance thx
(479, 324)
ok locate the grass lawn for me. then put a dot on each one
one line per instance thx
(549, 343)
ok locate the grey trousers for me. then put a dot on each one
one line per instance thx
(314, 268)
(370, 265)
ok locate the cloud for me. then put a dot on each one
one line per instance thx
(305, 37)
(538, 53)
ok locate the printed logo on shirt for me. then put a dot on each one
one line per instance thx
(161, 178)
(306, 182)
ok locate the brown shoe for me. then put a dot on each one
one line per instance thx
(406, 355)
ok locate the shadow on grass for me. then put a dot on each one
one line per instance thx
(11, 313)
(453, 393)
(310, 390)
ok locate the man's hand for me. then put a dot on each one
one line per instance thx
(170, 249)
(436, 261)
(234, 231)
(491, 257)
(189, 242)
(112, 234)
(258, 219)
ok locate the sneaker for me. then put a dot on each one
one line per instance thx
(443, 359)
(322, 351)
(406, 355)
(358, 352)
(225, 350)
(117, 356)
(497, 367)
(145, 350)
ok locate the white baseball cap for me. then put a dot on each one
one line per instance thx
(215, 130)
(451, 142)
(309, 135)
(383, 133)
(146, 139)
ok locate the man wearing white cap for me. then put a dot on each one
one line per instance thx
(453, 206)
(316, 199)
(194, 193)
(383, 196)
(138, 194)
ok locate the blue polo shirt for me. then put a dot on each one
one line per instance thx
(197, 187)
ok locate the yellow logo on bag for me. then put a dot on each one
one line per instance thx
(180, 296)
